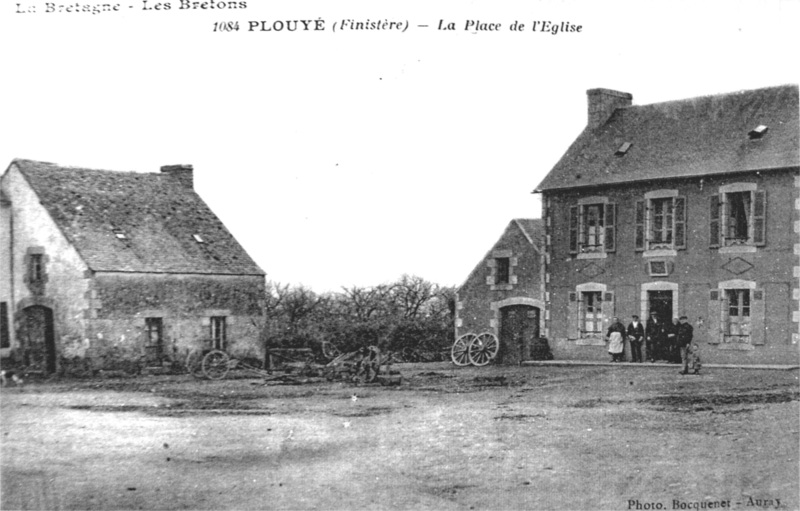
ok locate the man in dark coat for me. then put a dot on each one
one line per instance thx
(654, 331)
(635, 334)
(684, 342)
(671, 352)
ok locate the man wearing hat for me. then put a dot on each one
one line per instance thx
(654, 331)
(684, 342)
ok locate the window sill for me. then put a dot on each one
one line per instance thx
(592, 255)
(501, 287)
(736, 346)
(590, 341)
(739, 249)
(669, 252)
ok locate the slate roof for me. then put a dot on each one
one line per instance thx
(687, 138)
(533, 229)
(157, 215)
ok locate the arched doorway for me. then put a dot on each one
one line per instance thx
(519, 330)
(37, 338)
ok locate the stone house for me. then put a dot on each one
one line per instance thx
(687, 207)
(115, 267)
(504, 293)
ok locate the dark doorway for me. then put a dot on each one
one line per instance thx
(519, 330)
(154, 342)
(661, 303)
(38, 339)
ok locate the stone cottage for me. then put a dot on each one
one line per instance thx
(111, 267)
(688, 207)
(504, 294)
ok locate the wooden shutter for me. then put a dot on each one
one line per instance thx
(573, 318)
(714, 326)
(639, 225)
(680, 223)
(714, 225)
(573, 230)
(757, 316)
(759, 218)
(610, 227)
(609, 308)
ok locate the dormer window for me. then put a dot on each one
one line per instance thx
(623, 149)
(758, 132)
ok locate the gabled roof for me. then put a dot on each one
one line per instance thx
(686, 138)
(531, 228)
(136, 222)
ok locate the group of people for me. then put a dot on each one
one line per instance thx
(664, 342)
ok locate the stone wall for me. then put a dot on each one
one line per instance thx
(479, 299)
(693, 272)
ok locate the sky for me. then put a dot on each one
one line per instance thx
(350, 158)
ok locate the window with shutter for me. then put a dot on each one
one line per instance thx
(573, 230)
(640, 225)
(661, 221)
(610, 233)
(573, 318)
(714, 230)
(680, 223)
(739, 223)
(714, 313)
(759, 218)
(591, 313)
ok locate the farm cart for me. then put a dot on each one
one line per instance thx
(214, 364)
(366, 365)
(475, 349)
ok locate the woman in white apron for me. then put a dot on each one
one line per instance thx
(616, 340)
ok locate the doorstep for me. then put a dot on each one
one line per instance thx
(775, 367)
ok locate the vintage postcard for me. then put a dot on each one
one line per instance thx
(400, 255)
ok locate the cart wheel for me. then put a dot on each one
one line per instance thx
(372, 364)
(458, 353)
(329, 350)
(410, 354)
(215, 365)
(483, 349)
(194, 363)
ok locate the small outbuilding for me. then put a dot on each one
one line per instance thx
(118, 269)
(503, 297)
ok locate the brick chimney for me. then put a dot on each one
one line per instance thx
(183, 173)
(603, 102)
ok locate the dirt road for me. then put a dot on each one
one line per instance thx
(470, 438)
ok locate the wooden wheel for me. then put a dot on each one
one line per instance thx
(409, 354)
(372, 364)
(215, 365)
(458, 353)
(329, 350)
(194, 363)
(483, 349)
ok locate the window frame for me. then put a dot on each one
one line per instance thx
(502, 274)
(605, 215)
(673, 223)
(218, 332)
(36, 268)
(597, 313)
(734, 300)
(721, 214)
